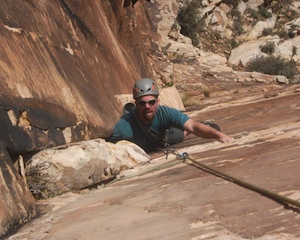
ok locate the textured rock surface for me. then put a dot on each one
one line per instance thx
(81, 165)
(17, 203)
(61, 63)
(184, 202)
(62, 69)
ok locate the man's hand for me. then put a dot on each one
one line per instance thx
(225, 139)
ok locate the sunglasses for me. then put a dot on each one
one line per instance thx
(150, 102)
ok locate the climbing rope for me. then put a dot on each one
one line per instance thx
(184, 157)
(277, 197)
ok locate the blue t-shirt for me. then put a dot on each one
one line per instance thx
(127, 128)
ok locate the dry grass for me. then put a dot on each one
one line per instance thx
(189, 101)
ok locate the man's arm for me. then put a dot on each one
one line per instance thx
(205, 131)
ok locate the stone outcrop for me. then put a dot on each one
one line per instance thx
(158, 201)
(17, 203)
(62, 63)
(58, 61)
(54, 171)
(252, 49)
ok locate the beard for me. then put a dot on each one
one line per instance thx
(146, 116)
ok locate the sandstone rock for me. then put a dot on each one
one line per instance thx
(74, 73)
(244, 53)
(81, 165)
(59, 76)
(167, 13)
(257, 30)
(289, 48)
(169, 96)
(242, 6)
(62, 82)
(212, 59)
(254, 4)
(17, 203)
(182, 50)
(256, 75)
(282, 79)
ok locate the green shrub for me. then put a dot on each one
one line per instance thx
(268, 48)
(234, 43)
(188, 19)
(206, 92)
(264, 12)
(267, 31)
(235, 14)
(282, 33)
(272, 65)
(233, 3)
(294, 50)
(289, 13)
(237, 27)
(252, 13)
(277, 5)
(188, 101)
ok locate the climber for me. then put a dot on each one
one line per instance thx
(151, 125)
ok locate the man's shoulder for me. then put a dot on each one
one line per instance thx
(166, 109)
(172, 114)
(126, 119)
(125, 124)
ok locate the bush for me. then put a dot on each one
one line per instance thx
(267, 31)
(268, 48)
(237, 27)
(290, 13)
(282, 33)
(252, 13)
(188, 19)
(272, 65)
(235, 14)
(234, 43)
(276, 6)
(188, 101)
(264, 12)
(233, 3)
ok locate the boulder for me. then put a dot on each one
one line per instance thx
(282, 80)
(258, 29)
(80, 165)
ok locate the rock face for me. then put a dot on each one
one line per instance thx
(81, 165)
(62, 64)
(62, 69)
(59, 73)
(185, 202)
(17, 203)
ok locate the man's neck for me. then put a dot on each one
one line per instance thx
(146, 122)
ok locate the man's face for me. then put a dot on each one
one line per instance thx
(146, 108)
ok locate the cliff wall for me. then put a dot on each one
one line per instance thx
(61, 64)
